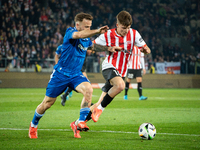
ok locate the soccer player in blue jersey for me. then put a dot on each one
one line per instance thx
(68, 90)
(67, 72)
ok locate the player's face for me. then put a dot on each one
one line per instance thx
(84, 25)
(122, 30)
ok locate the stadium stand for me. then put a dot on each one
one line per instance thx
(30, 30)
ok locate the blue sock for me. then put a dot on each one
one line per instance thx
(84, 113)
(66, 89)
(36, 118)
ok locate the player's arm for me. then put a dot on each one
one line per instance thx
(145, 49)
(143, 64)
(141, 44)
(89, 33)
(56, 58)
(99, 48)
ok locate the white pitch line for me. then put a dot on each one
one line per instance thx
(103, 131)
(165, 98)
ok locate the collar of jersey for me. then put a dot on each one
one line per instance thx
(117, 33)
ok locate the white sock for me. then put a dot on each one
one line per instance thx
(32, 125)
(100, 107)
(76, 122)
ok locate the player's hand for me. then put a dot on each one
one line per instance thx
(103, 29)
(145, 50)
(144, 71)
(114, 49)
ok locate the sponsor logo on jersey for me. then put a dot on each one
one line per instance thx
(82, 48)
(129, 42)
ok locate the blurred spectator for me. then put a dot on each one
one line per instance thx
(58, 36)
(22, 57)
(44, 16)
(6, 69)
(191, 67)
(1, 61)
(14, 32)
(183, 64)
(33, 23)
(9, 57)
(38, 68)
(170, 71)
(198, 64)
(16, 8)
(152, 69)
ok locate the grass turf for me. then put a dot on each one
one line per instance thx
(174, 112)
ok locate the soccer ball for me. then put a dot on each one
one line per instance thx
(147, 131)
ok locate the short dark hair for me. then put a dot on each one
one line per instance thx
(81, 16)
(124, 18)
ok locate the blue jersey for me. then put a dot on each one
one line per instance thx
(59, 49)
(73, 54)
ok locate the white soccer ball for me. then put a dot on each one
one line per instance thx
(147, 131)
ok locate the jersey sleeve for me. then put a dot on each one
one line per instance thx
(90, 43)
(69, 34)
(138, 40)
(101, 40)
(58, 50)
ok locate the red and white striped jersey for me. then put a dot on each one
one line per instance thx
(136, 60)
(119, 60)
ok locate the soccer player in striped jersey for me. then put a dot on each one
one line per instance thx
(114, 67)
(67, 72)
(136, 67)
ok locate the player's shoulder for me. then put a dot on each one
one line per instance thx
(133, 30)
(112, 31)
(59, 47)
(70, 29)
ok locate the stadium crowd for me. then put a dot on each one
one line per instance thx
(31, 30)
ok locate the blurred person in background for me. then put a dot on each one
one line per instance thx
(136, 68)
(170, 71)
(152, 69)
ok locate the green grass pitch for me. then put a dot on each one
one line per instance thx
(174, 112)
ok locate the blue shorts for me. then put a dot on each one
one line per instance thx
(59, 82)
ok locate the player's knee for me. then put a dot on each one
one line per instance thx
(47, 106)
(88, 91)
(120, 87)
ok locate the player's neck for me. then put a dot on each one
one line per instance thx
(117, 33)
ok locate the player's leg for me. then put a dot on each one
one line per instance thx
(84, 73)
(117, 85)
(130, 75)
(54, 88)
(39, 112)
(93, 106)
(82, 85)
(103, 94)
(139, 88)
(86, 89)
(65, 97)
(128, 80)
